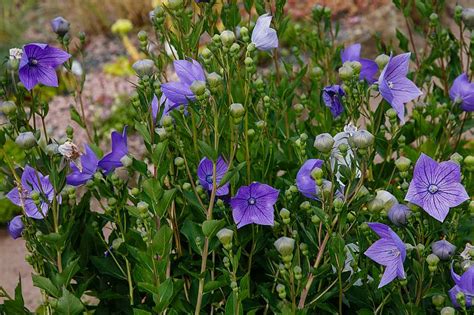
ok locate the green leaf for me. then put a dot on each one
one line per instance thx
(211, 227)
(159, 152)
(232, 305)
(138, 311)
(214, 285)
(165, 293)
(68, 304)
(75, 116)
(231, 173)
(207, 150)
(144, 131)
(165, 202)
(45, 284)
(162, 241)
(107, 267)
(71, 269)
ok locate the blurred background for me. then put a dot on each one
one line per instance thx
(109, 74)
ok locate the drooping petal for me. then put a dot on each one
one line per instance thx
(351, 53)
(76, 177)
(14, 196)
(119, 149)
(304, 182)
(178, 92)
(264, 37)
(189, 71)
(52, 57)
(467, 281)
(382, 230)
(15, 227)
(369, 70)
(89, 161)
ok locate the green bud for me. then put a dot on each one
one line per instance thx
(7, 108)
(248, 61)
(346, 73)
(214, 80)
(179, 161)
(382, 60)
(198, 88)
(142, 206)
(456, 158)
(324, 142)
(126, 160)
(315, 219)
(175, 4)
(206, 53)
(285, 246)
(298, 108)
(461, 299)
(122, 27)
(52, 149)
(356, 66)
(468, 18)
(227, 38)
(403, 164)
(305, 205)
(142, 36)
(448, 310)
(237, 110)
(391, 114)
(438, 300)
(261, 124)
(225, 237)
(26, 140)
(135, 191)
(167, 121)
(362, 139)
(469, 162)
(280, 288)
(317, 72)
(432, 260)
(285, 213)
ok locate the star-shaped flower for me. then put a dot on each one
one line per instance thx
(205, 174)
(254, 204)
(395, 87)
(388, 251)
(436, 187)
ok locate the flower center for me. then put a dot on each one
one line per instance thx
(433, 189)
(390, 84)
(252, 201)
(32, 62)
(209, 179)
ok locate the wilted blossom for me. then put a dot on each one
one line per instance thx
(388, 251)
(332, 97)
(33, 181)
(89, 164)
(342, 138)
(112, 160)
(369, 67)
(462, 92)
(179, 93)
(398, 214)
(304, 181)
(263, 36)
(254, 204)
(38, 65)
(443, 249)
(436, 187)
(464, 284)
(395, 87)
(15, 227)
(205, 174)
(70, 151)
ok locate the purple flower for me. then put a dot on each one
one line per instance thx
(33, 181)
(332, 97)
(38, 65)
(369, 67)
(395, 87)
(305, 183)
(179, 93)
(443, 249)
(464, 284)
(263, 36)
(254, 204)
(388, 251)
(155, 107)
(398, 214)
(436, 187)
(205, 172)
(462, 92)
(89, 163)
(119, 149)
(15, 227)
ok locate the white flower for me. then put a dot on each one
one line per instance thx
(16, 53)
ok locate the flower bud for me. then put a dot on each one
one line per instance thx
(126, 160)
(461, 299)
(198, 88)
(7, 107)
(448, 310)
(305, 205)
(225, 237)
(469, 162)
(382, 60)
(443, 249)
(362, 139)
(432, 260)
(304, 249)
(234, 49)
(26, 140)
(227, 38)
(382, 201)
(324, 142)
(142, 206)
(122, 27)
(468, 18)
(315, 219)
(356, 66)
(167, 121)
(175, 4)
(237, 110)
(261, 124)
(317, 174)
(391, 114)
(403, 164)
(117, 242)
(456, 158)
(215, 80)
(346, 72)
(398, 214)
(438, 300)
(244, 33)
(285, 246)
(15, 227)
(144, 67)
(179, 161)
(60, 25)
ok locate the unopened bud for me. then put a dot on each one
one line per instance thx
(227, 38)
(324, 142)
(382, 60)
(60, 25)
(144, 67)
(198, 88)
(285, 246)
(26, 140)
